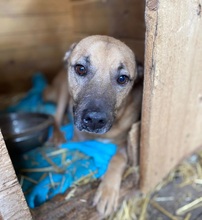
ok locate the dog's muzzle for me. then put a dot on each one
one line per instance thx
(94, 121)
(93, 118)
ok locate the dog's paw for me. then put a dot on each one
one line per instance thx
(106, 198)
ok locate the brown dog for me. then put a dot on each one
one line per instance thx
(104, 93)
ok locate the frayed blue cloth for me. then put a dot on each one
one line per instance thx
(47, 171)
(70, 162)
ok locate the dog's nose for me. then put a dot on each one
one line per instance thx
(94, 120)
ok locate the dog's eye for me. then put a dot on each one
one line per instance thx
(123, 79)
(80, 70)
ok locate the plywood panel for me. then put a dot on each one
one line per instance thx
(172, 105)
(30, 7)
(13, 205)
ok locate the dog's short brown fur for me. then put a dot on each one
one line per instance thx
(103, 93)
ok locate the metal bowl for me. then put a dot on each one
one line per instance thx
(24, 131)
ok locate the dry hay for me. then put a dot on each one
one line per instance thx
(189, 172)
(76, 203)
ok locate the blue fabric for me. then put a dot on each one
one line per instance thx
(87, 157)
(84, 158)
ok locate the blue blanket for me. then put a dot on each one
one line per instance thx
(47, 171)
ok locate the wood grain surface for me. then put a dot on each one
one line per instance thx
(13, 205)
(35, 34)
(172, 105)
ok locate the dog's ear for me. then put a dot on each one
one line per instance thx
(68, 53)
(140, 70)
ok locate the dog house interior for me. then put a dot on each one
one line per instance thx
(166, 38)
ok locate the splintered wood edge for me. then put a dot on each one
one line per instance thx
(13, 204)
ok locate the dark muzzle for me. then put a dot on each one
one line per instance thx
(93, 121)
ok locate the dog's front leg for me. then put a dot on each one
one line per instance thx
(107, 195)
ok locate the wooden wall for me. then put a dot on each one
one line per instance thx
(172, 105)
(35, 34)
(33, 37)
(13, 205)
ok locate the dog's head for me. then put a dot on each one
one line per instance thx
(101, 73)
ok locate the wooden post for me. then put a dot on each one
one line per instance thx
(12, 202)
(172, 103)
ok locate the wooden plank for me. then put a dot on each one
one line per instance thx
(30, 7)
(13, 205)
(34, 39)
(172, 103)
(18, 66)
(34, 53)
(17, 77)
(25, 24)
